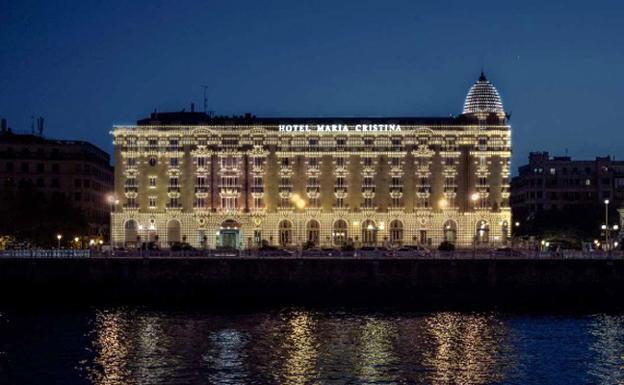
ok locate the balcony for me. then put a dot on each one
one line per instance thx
(131, 189)
(201, 189)
(173, 189)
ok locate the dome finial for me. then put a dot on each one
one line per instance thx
(483, 98)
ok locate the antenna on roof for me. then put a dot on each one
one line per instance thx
(32, 124)
(40, 126)
(209, 113)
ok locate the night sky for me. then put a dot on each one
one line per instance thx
(85, 66)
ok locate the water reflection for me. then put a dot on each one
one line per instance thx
(608, 348)
(336, 347)
(376, 354)
(225, 358)
(466, 348)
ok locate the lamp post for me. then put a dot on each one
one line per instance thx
(474, 197)
(58, 240)
(606, 202)
(112, 202)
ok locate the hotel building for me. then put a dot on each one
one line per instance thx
(241, 181)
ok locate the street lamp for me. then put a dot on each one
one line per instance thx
(474, 197)
(58, 240)
(112, 201)
(606, 202)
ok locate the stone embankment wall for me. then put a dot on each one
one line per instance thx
(417, 283)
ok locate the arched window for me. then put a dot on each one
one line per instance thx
(369, 233)
(339, 232)
(396, 232)
(173, 231)
(450, 231)
(483, 232)
(285, 233)
(131, 233)
(313, 229)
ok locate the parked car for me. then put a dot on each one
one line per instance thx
(226, 252)
(275, 252)
(369, 252)
(312, 252)
(507, 252)
(181, 246)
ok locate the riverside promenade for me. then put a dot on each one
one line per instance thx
(459, 280)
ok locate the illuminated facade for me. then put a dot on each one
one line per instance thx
(239, 181)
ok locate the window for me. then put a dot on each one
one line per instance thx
(152, 181)
(173, 144)
(174, 162)
(40, 167)
(77, 183)
(201, 161)
(200, 203)
(77, 197)
(9, 166)
(131, 162)
(152, 202)
(152, 161)
(25, 167)
(173, 181)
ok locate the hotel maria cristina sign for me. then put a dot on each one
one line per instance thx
(339, 127)
(243, 181)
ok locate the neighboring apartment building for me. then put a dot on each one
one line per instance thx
(238, 181)
(562, 183)
(77, 170)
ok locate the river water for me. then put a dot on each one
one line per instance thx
(134, 345)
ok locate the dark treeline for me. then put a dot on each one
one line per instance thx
(30, 216)
(578, 223)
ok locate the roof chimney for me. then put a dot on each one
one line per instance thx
(4, 126)
(192, 107)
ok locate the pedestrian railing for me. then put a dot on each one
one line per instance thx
(357, 254)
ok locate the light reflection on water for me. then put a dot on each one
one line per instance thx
(301, 346)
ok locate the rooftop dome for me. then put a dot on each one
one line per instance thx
(483, 98)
